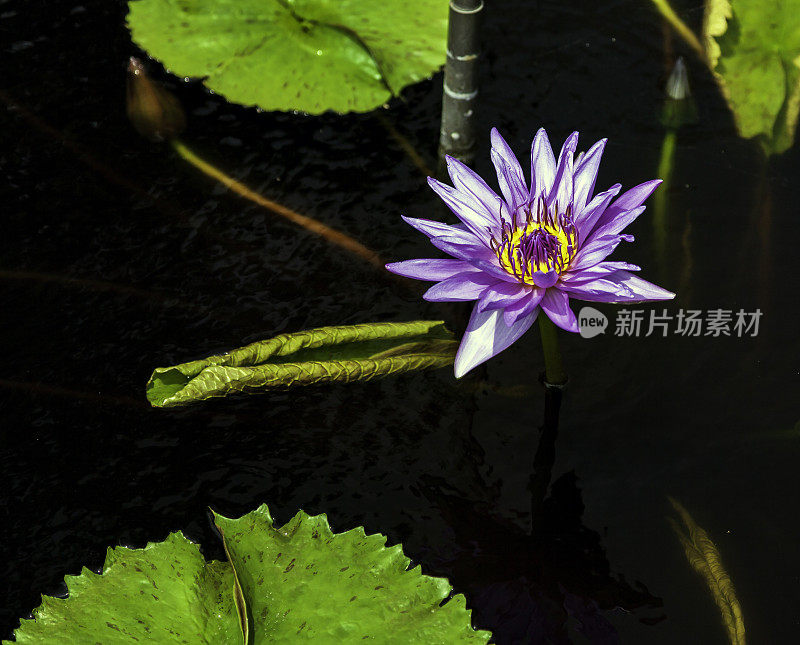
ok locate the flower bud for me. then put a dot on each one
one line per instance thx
(154, 112)
(679, 106)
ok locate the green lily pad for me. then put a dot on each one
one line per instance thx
(327, 354)
(307, 55)
(299, 582)
(164, 593)
(310, 584)
(754, 51)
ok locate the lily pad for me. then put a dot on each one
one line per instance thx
(164, 593)
(299, 582)
(754, 52)
(307, 55)
(305, 582)
(327, 354)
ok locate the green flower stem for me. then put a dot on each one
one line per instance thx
(660, 199)
(554, 373)
(459, 100)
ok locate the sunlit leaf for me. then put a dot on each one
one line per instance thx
(297, 582)
(308, 55)
(704, 558)
(754, 51)
(164, 593)
(341, 354)
(308, 583)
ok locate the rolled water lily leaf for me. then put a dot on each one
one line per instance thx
(164, 593)
(308, 55)
(343, 354)
(754, 51)
(304, 582)
(299, 582)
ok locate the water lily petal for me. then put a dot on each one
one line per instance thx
(526, 306)
(594, 252)
(563, 185)
(458, 288)
(437, 229)
(555, 304)
(620, 286)
(487, 335)
(430, 269)
(545, 279)
(586, 221)
(543, 166)
(600, 270)
(618, 224)
(629, 200)
(463, 249)
(492, 268)
(586, 174)
(471, 183)
(503, 294)
(509, 172)
(473, 215)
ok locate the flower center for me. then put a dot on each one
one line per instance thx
(536, 243)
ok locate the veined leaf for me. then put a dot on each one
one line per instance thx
(310, 584)
(164, 593)
(343, 354)
(309, 55)
(754, 51)
(300, 582)
(704, 558)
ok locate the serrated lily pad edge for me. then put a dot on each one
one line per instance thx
(240, 602)
(452, 600)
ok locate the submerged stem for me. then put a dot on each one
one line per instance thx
(332, 235)
(554, 373)
(680, 27)
(665, 165)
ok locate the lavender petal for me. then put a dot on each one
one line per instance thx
(492, 268)
(486, 336)
(526, 306)
(502, 295)
(430, 269)
(471, 183)
(618, 224)
(594, 252)
(582, 276)
(555, 304)
(562, 192)
(458, 288)
(436, 229)
(629, 200)
(509, 172)
(470, 212)
(463, 249)
(620, 286)
(544, 279)
(594, 210)
(543, 165)
(586, 174)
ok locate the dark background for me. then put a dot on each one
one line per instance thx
(117, 257)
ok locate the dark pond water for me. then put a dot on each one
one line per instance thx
(117, 257)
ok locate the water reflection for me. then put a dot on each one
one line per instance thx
(529, 586)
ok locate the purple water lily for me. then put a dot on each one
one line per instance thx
(531, 250)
